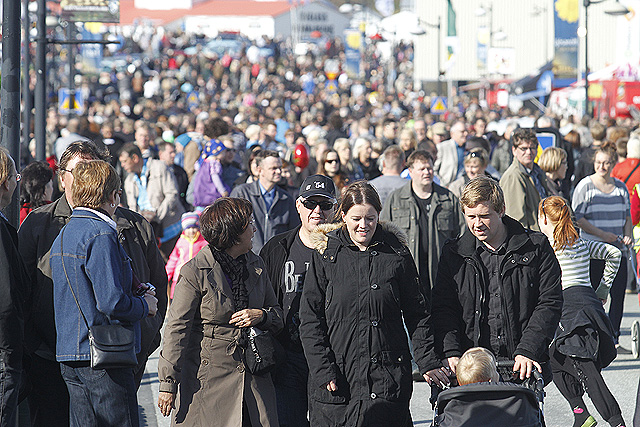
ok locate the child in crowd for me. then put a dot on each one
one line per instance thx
(477, 365)
(187, 246)
(208, 185)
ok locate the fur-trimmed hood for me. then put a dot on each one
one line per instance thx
(320, 236)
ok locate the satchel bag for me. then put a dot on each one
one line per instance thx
(259, 351)
(111, 346)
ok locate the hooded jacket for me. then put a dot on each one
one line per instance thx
(531, 294)
(352, 311)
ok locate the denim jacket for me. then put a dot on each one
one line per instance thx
(100, 273)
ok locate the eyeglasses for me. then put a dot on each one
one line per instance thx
(331, 161)
(533, 148)
(67, 170)
(312, 204)
(607, 163)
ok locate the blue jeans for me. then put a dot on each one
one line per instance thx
(9, 387)
(100, 397)
(290, 382)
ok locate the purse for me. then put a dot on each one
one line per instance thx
(111, 346)
(260, 351)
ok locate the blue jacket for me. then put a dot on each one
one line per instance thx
(100, 273)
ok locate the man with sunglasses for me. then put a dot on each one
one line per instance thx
(287, 257)
(524, 183)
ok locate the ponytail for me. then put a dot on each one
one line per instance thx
(556, 210)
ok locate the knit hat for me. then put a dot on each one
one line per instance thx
(212, 148)
(190, 219)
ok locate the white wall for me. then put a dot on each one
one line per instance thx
(310, 17)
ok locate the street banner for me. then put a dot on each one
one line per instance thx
(91, 52)
(352, 45)
(452, 42)
(565, 58)
(90, 10)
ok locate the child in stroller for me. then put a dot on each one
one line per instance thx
(481, 400)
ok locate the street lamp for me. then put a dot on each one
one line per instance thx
(419, 31)
(617, 10)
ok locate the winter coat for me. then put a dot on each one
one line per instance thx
(531, 294)
(200, 359)
(445, 221)
(36, 235)
(184, 250)
(352, 331)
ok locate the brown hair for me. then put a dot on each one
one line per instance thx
(609, 149)
(476, 365)
(358, 193)
(573, 137)
(482, 189)
(340, 179)
(93, 182)
(479, 154)
(223, 222)
(5, 165)
(86, 150)
(557, 210)
(419, 155)
(523, 135)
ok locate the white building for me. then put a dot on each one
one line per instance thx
(524, 26)
(249, 17)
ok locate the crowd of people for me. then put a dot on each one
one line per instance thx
(367, 241)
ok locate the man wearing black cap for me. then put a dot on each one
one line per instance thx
(287, 257)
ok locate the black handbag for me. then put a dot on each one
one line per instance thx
(111, 346)
(260, 351)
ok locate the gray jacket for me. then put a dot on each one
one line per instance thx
(162, 190)
(445, 221)
(280, 218)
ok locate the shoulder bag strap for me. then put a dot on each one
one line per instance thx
(68, 281)
(634, 169)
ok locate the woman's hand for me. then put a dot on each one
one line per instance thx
(627, 240)
(247, 317)
(166, 402)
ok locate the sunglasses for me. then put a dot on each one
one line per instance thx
(331, 161)
(311, 205)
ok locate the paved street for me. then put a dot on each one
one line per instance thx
(622, 377)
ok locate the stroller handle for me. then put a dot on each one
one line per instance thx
(504, 364)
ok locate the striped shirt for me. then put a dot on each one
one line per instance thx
(574, 263)
(606, 211)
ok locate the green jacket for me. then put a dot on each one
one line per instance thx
(445, 221)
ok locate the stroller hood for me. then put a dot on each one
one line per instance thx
(488, 404)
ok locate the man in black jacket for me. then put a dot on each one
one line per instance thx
(287, 257)
(14, 287)
(498, 286)
(49, 398)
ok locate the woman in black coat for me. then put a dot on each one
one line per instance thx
(360, 290)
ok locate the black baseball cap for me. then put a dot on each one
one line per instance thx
(318, 185)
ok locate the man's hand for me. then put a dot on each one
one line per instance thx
(332, 386)
(525, 366)
(438, 376)
(453, 363)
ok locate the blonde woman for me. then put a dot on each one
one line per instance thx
(553, 161)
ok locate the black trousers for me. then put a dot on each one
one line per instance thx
(616, 294)
(574, 376)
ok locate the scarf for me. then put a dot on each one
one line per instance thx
(237, 273)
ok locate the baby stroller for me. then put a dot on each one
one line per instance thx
(492, 404)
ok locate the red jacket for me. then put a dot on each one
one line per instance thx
(623, 170)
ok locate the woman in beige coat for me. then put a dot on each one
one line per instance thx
(221, 291)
